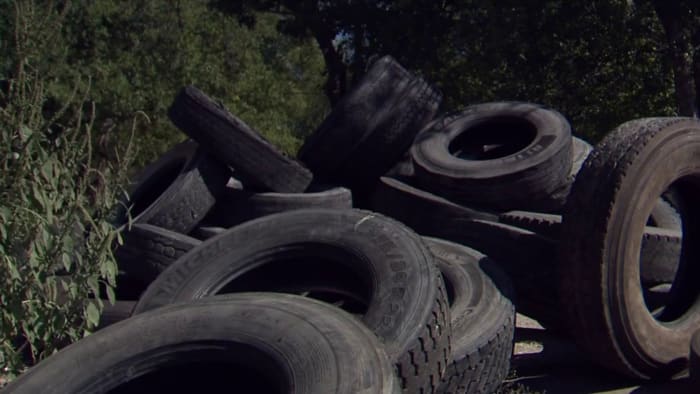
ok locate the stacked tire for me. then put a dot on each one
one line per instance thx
(393, 255)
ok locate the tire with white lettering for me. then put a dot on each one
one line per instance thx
(483, 318)
(489, 154)
(365, 263)
(236, 144)
(255, 342)
(602, 228)
(176, 191)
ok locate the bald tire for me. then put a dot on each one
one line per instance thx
(483, 318)
(602, 229)
(292, 344)
(364, 256)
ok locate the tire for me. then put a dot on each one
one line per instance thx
(533, 153)
(121, 310)
(176, 191)
(659, 252)
(418, 209)
(327, 254)
(557, 199)
(236, 144)
(206, 232)
(695, 360)
(252, 342)
(369, 130)
(483, 318)
(664, 215)
(602, 229)
(240, 205)
(148, 250)
(526, 257)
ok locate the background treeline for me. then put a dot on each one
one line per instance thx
(85, 85)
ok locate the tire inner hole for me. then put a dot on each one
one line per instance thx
(321, 272)
(667, 268)
(234, 366)
(493, 138)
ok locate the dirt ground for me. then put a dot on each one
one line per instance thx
(544, 363)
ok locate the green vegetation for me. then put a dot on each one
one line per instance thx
(55, 198)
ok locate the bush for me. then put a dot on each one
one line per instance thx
(55, 198)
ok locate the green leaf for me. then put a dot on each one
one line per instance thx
(92, 314)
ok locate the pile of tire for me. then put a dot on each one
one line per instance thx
(393, 255)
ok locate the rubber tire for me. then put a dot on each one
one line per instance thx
(406, 305)
(557, 199)
(664, 215)
(354, 117)
(314, 347)
(393, 137)
(601, 232)
(695, 360)
(483, 318)
(236, 144)
(148, 250)
(206, 232)
(176, 191)
(540, 164)
(240, 205)
(111, 314)
(659, 253)
(420, 210)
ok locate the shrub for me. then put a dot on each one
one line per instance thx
(55, 198)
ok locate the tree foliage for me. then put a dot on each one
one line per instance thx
(600, 62)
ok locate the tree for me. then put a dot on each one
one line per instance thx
(681, 23)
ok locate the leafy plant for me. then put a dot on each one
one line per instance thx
(55, 201)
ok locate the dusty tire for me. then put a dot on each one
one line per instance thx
(176, 191)
(483, 318)
(602, 229)
(148, 250)
(369, 130)
(376, 267)
(418, 209)
(236, 144)
(531, 151)
(240, 205)
(253, 342)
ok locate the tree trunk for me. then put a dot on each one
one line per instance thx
(671, 17)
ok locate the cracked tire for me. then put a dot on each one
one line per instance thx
(236, 144)
(253, 342)
(602, 230)
(366, 263)
(488, 154)
(176, 191)
(483, 318)
(149, 250)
